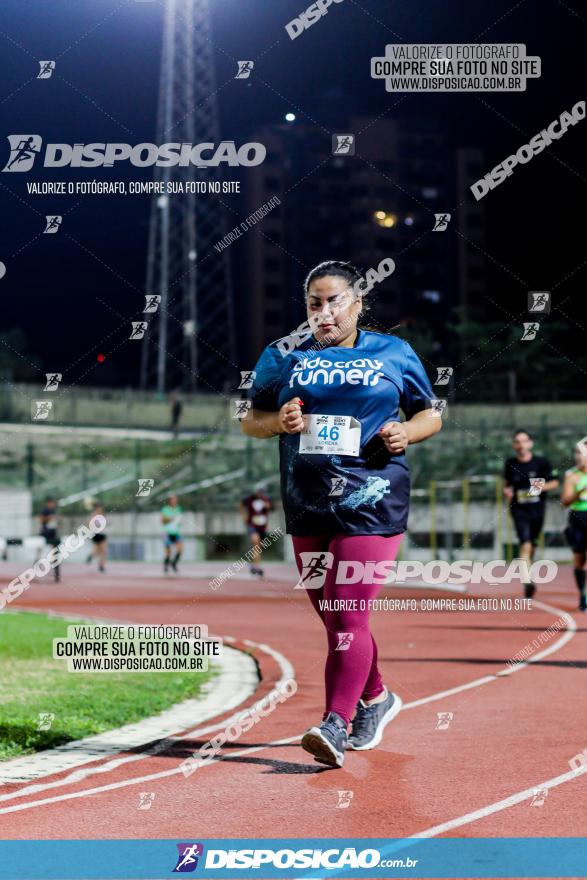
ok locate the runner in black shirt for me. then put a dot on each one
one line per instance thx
(527, 477)
(48, 519)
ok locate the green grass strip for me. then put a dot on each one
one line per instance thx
(31, 683)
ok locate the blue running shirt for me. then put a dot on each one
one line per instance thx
(330, 494)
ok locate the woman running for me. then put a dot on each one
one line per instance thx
(333, 395)
(49, 520)
(171, 516)
(574, 496)
(99, 541)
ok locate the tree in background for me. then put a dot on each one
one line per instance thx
(15, 361)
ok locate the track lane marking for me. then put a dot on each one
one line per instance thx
(496, 807)
(572, 628)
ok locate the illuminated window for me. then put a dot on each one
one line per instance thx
(385, 219)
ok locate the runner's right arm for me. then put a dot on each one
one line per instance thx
(265, 419)
(261, 424)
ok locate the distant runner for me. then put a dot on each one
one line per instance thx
(49, 521)
(171, 516)
(99, 549)
(527, 477)
(255, 511)
(574, 496)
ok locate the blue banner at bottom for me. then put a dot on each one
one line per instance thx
(304, 858)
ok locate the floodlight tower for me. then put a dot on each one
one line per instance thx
(190, 339)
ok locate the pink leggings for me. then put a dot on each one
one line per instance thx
(351, 667)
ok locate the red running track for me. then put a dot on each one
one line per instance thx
(509, 733)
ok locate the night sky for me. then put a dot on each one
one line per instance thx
(69, 304)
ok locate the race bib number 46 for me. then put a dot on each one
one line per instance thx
(330, 435)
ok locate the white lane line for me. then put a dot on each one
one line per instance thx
(286, 672)
(508, 670)
(455, 690)
(529, 792)
(499, 805)
(138, 779)
(236, 681)
(176, 770)
(566, 637)
(504, 804)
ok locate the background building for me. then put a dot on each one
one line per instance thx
(379, 202)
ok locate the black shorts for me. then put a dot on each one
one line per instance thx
(50, 536)
(576, 531)
(97, 539)
(528, 520)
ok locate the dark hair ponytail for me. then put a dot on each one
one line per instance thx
(333, 267)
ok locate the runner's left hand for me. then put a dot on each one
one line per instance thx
(395, 437)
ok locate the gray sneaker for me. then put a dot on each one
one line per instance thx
(327, 742)
(370, 722)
